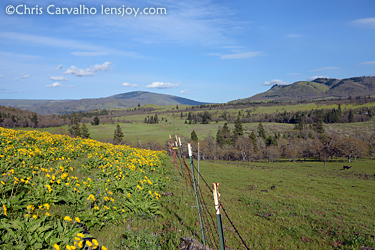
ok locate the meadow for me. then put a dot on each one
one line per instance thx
(308, 207)
(50, 183)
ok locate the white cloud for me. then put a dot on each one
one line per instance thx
(90, 53)
(63, 43)
(186, 91)
(275, 81)
(73, 70)
(103, 67)
(293, 35)
(125, 84)
(368, 63)
(162, 85)
(1, 76)
(88, 71)
(325, 68)
(365, 22)
(54, 85)
(292, 74)
(59, 67)
(315, 77)
(24, 76)
(12, 55)
(58, 78)
(242, 55)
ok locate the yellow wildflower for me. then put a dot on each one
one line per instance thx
(67, 218)
(5, 210)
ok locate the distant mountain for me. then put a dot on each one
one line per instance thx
(317, 89)
(125, 100)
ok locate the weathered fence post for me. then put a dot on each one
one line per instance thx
(218, 215)
(198, 163)
(196, 194)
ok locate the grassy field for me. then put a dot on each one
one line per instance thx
(311, 206)
(161, 131)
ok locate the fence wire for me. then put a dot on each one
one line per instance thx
(205, 196)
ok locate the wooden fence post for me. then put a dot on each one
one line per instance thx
(218, 215)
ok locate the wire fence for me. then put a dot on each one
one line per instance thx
(204, 195)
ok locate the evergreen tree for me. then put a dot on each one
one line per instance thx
(223, 135)
(190, 117)
(194, 136)
(318, 122)
(85, 131)
(74, 128)
(177, 106)
(96, 121)
(156, 119)
(118, 135)
(261, 131)
(253, 138)
(238, 129)
(339, 111)
(351, 116)
(34, 119)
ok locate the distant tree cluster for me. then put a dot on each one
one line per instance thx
(152, 119)
(299, 143)
(76, 129)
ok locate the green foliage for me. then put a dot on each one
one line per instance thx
(74, 128)
(118, 135)
(85, 132)
(261, 131)
(223, 135)
(194, 136)
(96, 121)
(238, 129)
(350, 116)
(139, 240)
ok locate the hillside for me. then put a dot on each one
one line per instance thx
(317, 89)
(124, 100)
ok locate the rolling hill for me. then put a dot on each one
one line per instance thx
(317, 89)
(124, 100)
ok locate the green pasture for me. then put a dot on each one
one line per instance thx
(311, 206)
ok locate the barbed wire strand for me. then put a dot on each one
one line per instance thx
(224, 212)
(207, 215)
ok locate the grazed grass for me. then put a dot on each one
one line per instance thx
(312, 206)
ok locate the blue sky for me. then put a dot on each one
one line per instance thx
(211, 51)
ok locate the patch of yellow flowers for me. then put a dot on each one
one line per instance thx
(42, 154)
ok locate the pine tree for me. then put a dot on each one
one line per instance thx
(156, 119)
(194, 136)
(351, 116)
(238, 129)
(74, 129)
(223, 135)
(85, 131)
(261, 131)
(96, 121)
(118, 135)
(34, 119)
(253, 138)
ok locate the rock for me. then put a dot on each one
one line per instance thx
(168, 193)
(272, 187)
(192, 244)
